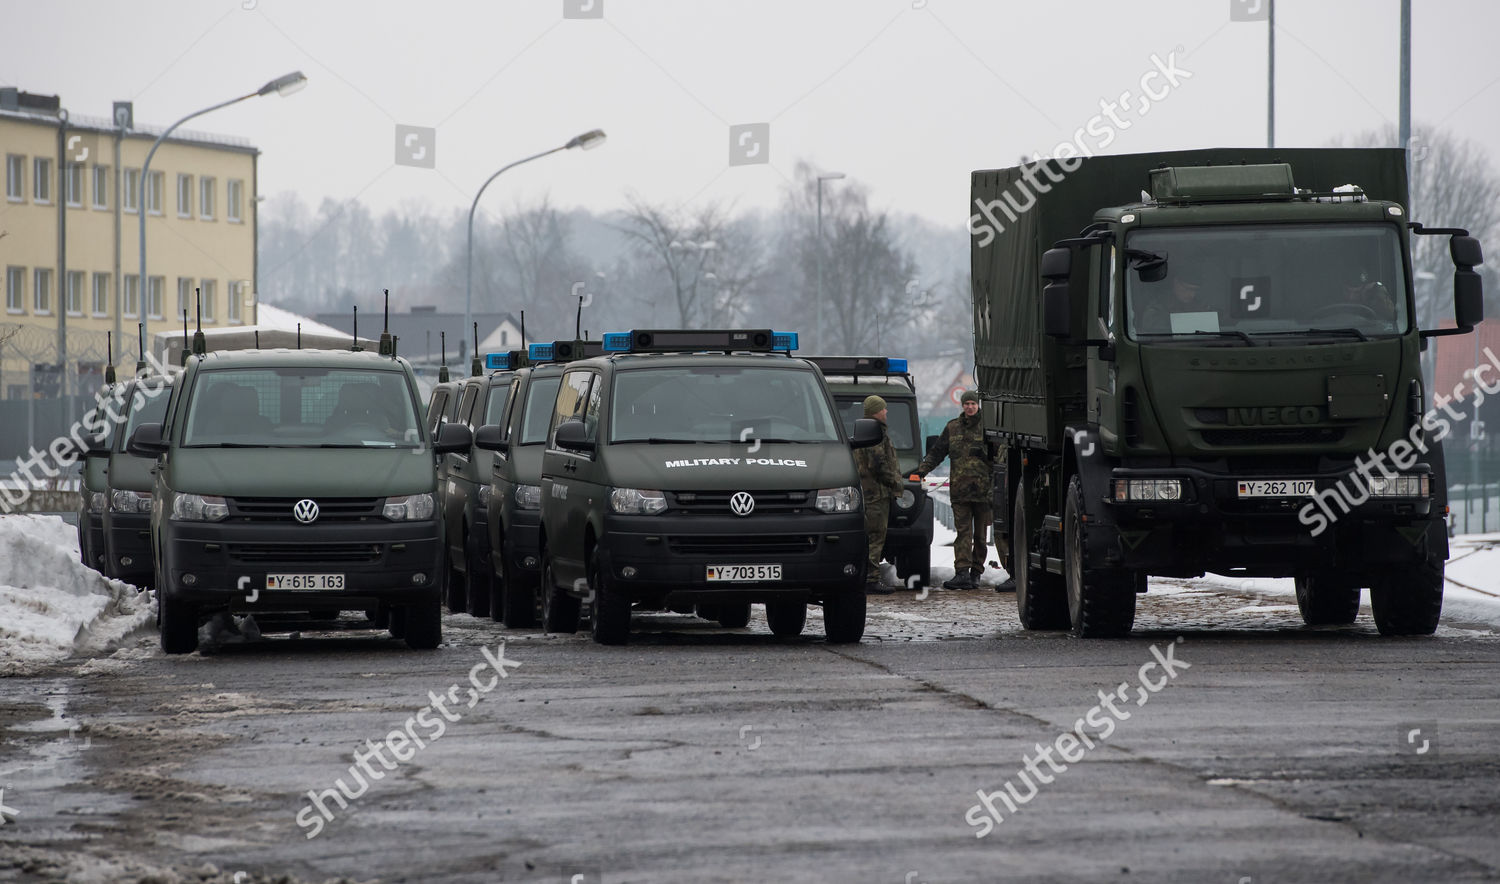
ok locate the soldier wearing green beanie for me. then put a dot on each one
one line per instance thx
(970, 490)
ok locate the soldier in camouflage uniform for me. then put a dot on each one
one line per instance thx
(970, 489)
(880, 482)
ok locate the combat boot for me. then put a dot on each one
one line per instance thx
(960, 580)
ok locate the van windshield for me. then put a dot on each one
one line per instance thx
(301, 407)
(720, 404)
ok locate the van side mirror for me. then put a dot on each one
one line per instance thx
(866, 433)
(573, 436)
(452, 438)
(146, 441)
(488, 437)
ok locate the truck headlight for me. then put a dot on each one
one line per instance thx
(528, 497)
(98, 501)
(838, 500)
(198, 508)
(1148, 489)
(409, 507)
(636, 502)
(121, 501)
(1399, 486)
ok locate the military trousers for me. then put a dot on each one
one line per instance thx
(877, 518)
(972, 520)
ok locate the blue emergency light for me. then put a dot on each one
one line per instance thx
(507, 361)
(895, 365)
(540, 352)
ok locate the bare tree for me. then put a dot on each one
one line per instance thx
(711, 263)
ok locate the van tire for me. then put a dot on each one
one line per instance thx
(786, 619)
(455, 589)
(610, 621)
(559, 609)
(179, 626)
(424, 625)
(844, 617)
(479, 585)
(518, 598)
(734, 615)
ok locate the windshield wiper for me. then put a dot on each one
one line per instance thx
(1230, 333)
(1348, 330)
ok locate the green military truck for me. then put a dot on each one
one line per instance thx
(908, 540)
(1209, 361)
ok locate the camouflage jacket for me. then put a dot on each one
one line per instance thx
(970, 479)
(879, 469)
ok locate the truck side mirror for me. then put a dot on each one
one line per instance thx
(866, 433)
(1468, 298)
(1056, 307)
(1466, 252)
(1057, 264)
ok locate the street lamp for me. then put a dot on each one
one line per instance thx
(284, 85)
(831, 176)
(588, 141)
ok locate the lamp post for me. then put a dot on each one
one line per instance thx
(831, 176)
(284, 85)
(588, 141)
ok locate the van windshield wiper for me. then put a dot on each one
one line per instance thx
(1224, 333)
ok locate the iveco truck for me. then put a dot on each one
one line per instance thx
(1210, 361)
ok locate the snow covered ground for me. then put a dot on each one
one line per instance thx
(51, 605)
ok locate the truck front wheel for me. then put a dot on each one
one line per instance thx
(1040, 600)
(1101, 602)
(1408, 599)
(1326, 599)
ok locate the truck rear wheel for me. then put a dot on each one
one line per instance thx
(1040, 598)
(844, 617)
(1408, 599)
(786, 619)
(1327, 599)
(1101, 601)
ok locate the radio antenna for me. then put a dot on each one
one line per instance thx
(109, 354)
(443, 356)
(387, 346)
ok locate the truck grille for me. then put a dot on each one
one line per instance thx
(304, 553)
(743, 545)
(279, 509)
(1277, 436)
(717, 502)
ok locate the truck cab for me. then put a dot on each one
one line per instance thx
(908, 539)
(1221, 374)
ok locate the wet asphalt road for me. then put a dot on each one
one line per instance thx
(697, 754)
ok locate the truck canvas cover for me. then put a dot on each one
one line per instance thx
(1016, 365)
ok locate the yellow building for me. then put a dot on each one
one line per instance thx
(69, 244)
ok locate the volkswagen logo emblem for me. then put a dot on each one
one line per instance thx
(306, 511)
(742, 504)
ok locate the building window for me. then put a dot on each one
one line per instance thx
(154, 193)
(156, 296)
(41, 291)
(73, 293)
(184, 297)
(15, 290)
(15, 177)
(210, 289)
(236, 292)
(130, 190)
(41, 179)
(184, 196)
(234, 199)
(101, 294)
(130, 295)
(101, 187)
(73, 184)
(206, 197)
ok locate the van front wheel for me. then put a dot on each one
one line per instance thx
(179, 626)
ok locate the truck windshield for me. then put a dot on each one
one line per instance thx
(899, 419)
(1257, 283)
(298, 407)
(720, 403)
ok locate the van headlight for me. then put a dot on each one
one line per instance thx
(528, 497)
(198, 508)
(485, 492)
(98, 501)
(409, 507)
(637, 502)
(121, 501)
(838, 500)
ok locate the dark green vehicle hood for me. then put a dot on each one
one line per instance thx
(730, 466)
(290, 472)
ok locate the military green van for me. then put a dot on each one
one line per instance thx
(705, 468)
(296, 480)
(127, 517)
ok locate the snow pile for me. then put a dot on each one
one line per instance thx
(51, 604)
(1473, 575)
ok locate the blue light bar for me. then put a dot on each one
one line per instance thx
(617, 342)
(784, 341)
(540, 352)
(499, 361)
(895, 365)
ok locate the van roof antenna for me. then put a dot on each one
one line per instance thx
(476, 366)
(109, 355)
(355, 345)
(257, 339)
(184, 337)
(387, 346)
(200, 343)
(443, 357)
(140, 343)
(578, 320)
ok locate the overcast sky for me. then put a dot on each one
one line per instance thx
(908, 96)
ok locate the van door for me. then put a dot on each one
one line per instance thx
(570, 487)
